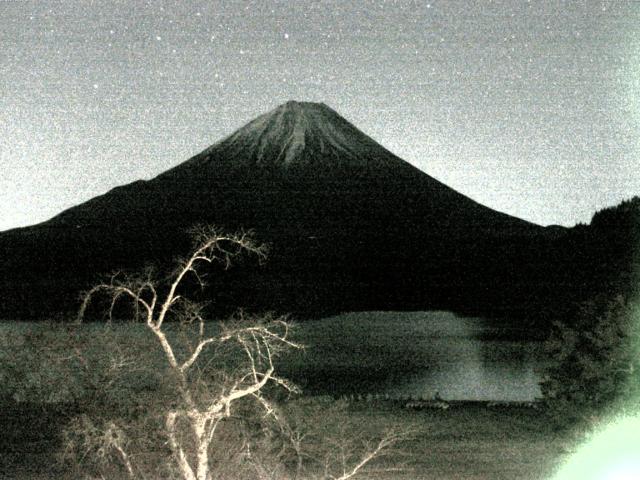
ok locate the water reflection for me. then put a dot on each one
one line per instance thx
(472, 369)
(418, 354)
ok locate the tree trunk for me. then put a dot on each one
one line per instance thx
(202, 454)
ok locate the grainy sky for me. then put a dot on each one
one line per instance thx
(529, 107)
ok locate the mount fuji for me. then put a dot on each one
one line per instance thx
(351, 227)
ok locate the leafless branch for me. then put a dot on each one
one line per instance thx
(254, 343)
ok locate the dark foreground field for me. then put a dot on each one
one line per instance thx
(467, 441)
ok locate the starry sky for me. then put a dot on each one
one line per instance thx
(529, 107)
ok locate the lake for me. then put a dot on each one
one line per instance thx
(417, 354)
(400, 354)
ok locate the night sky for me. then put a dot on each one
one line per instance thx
(529, 107)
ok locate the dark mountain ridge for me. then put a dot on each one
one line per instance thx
(351, 225)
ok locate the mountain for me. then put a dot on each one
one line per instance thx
(299, 147)
(351, 226)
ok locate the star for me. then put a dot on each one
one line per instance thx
(286, 36)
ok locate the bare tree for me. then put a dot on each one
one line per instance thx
(214, 370)
(325, 442)
(260, 342)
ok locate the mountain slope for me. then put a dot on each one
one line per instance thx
(351, 225)
(296, 150)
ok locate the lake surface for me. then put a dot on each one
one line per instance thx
(400, 354)
(417, 354)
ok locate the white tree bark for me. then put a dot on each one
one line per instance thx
(190, 427)
(257, 341)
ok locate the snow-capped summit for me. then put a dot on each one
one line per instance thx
(298, 135)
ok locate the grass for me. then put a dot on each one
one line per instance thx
(472, 441)
(467, 441)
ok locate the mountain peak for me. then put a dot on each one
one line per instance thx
(301, 105)
(304, 109)
(297, 134)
